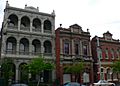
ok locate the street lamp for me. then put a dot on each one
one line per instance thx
(0, 70)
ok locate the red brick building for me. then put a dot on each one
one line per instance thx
(108, 51)
(73, 45)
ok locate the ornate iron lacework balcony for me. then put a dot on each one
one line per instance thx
(25, 28)
(87, 57)
(36, 30)
(13, 27)
(10, 52)
(47, 31)
(13, 52)
(24, 53)
(47, 54)
(36, 53)
(77, 57)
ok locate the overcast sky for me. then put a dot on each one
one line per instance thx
(98, 15)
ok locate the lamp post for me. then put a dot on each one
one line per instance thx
(0, 70)
(98, 55)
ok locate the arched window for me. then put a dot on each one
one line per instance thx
(102, 74)
(36, 47)
(11, 45)
(118, 53)
(85, 50)
(66, 48)
(86, 77)
(47, 47)
(76, 47)
(112, 53)
(36, 25)
(108, 72)
(106, 53)
(25, 23)
(13, 20)
(24, 46)
(114, 76)
(47, 26)
(101, 53)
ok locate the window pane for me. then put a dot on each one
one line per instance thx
(10, 46)
(85, 49)
(76, 49)
(22, 47)
(33, 48)
(66, 48)
(112, 54)
(106, 53)
(101, 53)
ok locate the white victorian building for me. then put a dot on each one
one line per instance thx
(25, 34)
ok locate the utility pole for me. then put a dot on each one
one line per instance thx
(98, 55)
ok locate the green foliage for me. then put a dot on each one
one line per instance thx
(116, 66)
(75, 68)
(7, 68)
(37, 65)
(48, 66)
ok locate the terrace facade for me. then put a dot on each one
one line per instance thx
(25, 34)
(72, 46)
(104, 55)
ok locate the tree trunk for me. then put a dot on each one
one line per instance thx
(38, 82)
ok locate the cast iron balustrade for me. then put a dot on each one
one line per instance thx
(10, 52)
(25, 28)
(13, 27)
(36, 30)
(47, 31)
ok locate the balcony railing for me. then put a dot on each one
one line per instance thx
(47, 31)
(36, 30)
(10, 52)
(13, 27)
(25, 28)
(24, 53)
(13, 52)
(47, 54)
(77, 57)
(36, 53)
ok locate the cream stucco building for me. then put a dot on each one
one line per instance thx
(27, 33)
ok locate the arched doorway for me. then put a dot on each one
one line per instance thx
(47, 76)
(23, 74)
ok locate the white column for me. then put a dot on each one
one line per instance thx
(42, 48)
(42, 27)
(30, 47)
(3, 47)
(53, 28)
(31, 26)
(53, 48)
(72, 48)
(53, 75)
(81, 49)
(17, 74)
(19, 22)
(17, 48)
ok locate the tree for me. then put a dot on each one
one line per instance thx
(37, 65)
(7, 69)
(75, 68)
(116, 67)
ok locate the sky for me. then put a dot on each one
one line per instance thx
(99, 16)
